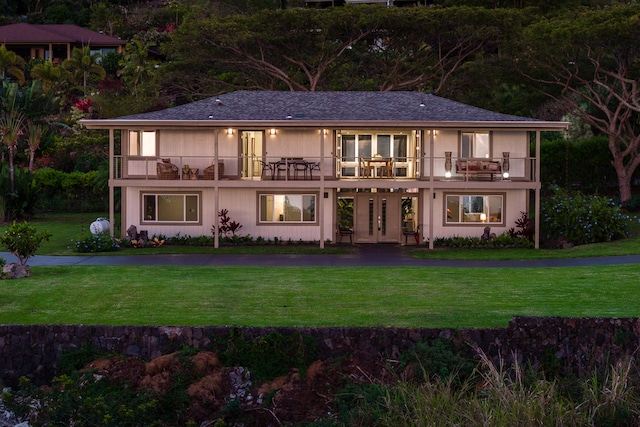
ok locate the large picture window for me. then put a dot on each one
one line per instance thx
(177, 208)
(474, 209)
(287, 208)
(142, 143)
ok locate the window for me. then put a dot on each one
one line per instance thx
(289, 208)
(475, 144)
(142, 143)
(478, 209)
(178, 208)
(364, 146)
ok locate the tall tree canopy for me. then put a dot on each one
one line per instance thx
(343, 48)
(590, 63)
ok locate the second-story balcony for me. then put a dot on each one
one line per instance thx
(329, 168)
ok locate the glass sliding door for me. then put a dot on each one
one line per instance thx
(356, 149)
(252, 153)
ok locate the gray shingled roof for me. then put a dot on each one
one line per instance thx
(327, 107)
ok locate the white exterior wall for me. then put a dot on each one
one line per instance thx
(133, 200)
(242, 201)
(516, 201)
(242, 205)
(517, 145)
(300, 143)
(443, 140)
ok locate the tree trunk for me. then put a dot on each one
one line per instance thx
(32, 155)
(11, 173)
(623, 172)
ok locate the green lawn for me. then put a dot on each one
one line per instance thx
(316, 296)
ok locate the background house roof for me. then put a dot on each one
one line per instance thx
(24, 33)
(328, 107)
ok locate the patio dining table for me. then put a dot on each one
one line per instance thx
(380, 165)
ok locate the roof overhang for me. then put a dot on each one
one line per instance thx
(253, 124)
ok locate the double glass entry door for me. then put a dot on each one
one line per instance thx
(377, 218)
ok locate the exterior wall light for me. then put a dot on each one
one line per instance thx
(229, 131)
(272, 131)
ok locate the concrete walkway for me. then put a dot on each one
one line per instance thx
(365, 255)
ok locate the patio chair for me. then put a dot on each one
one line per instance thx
(166, 170)
(300, 166)
(366, 170)
(387, 171)
(313, 166)
(266, 167)
(414, 233)
(281, 166)
(210, 171)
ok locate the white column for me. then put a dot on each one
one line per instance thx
(216, 190)
(321, 202)
(431, 192)
(111, 190)
(537, 195)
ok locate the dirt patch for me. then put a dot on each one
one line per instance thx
(296, 398)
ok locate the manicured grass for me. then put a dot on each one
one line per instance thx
(316, 296)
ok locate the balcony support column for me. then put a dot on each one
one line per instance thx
(111, 190)
(216, 190)
(431, 191)
(321, 201)
(536, 238)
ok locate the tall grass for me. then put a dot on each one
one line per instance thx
(498, 396)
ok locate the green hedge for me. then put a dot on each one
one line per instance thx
(71, 192)
(583, 165)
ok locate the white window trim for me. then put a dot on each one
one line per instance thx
(448, 223)
(143, 143)
(145, 221)
(473, 147)
(315, 195)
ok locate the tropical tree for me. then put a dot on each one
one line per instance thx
(589, 62)
(11, 63)
(136, 65)
(50, 75)
(84, 65)
(35, 132)
(11, 128)
(343, 48)
(32, 100)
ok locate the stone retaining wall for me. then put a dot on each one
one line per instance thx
(580, 344)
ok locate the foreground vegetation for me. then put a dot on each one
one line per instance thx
(431, 384)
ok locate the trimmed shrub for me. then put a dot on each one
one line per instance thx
(75, 191)
(101, 242)
(579, 219)
(558, 158)
(504, 240)
(23, 240)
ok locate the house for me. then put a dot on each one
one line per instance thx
(323, 166)
(55, 42)
(330, 3)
